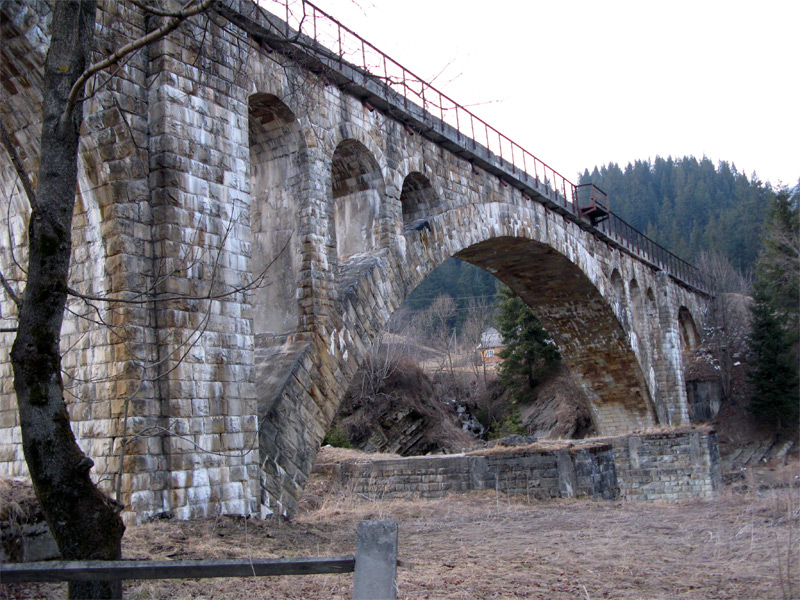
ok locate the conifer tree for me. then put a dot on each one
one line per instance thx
(775, 326)
(773, 369)
(687, 205)
(529, 354)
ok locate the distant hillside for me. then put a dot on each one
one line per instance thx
(465, 283)
(688, 205)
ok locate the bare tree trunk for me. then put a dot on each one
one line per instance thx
(85, 523)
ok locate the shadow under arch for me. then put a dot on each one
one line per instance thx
(580, 321)
(275, 173)
(357, 189)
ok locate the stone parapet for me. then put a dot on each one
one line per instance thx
(669, 465)
(537, 472)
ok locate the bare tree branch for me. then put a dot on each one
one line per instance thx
(8, 144)
(178, 18)
(255, 282)
(9, 290)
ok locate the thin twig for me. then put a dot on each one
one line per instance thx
(138, 44)
(11, 242)
(255, 282)
(9, 290)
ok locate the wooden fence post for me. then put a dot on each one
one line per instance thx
(376, 561)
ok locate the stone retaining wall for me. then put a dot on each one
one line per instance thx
(660, 466)
(668, 466)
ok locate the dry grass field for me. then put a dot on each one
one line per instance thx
(744, 544)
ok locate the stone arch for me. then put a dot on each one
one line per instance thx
(275, 182)
(689, 336)
(581, 322)
(417, 198)
(562, 285)
(357, 189)
(351, 132)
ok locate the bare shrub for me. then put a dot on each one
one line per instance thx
(727, 317)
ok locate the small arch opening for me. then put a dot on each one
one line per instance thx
(274, 178)
(652, 308)
(635, 300)
(417, 198)
(690, 338)
(358, 187)
(617, 286)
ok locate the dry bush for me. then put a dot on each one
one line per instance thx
(18, 503)
(383, 405)
(18, 507)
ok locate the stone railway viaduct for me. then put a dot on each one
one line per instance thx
(257, 207)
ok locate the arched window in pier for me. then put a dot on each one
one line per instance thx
(358, 187)
(275, 192)
(690, 338)
(418, 198)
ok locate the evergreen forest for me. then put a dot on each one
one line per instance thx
(689, 205)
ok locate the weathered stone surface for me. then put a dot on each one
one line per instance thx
(268, 224)
(678, 465)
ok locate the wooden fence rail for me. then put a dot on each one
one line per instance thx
(374, 566)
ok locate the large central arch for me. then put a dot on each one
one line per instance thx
(582, 323)
(566, 288)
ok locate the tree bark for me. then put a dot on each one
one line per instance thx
(85, 523)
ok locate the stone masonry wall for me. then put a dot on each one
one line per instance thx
(666, 466)
(535, 472)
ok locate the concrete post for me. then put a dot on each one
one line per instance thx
(376, 561)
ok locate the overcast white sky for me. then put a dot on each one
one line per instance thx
(580, 83)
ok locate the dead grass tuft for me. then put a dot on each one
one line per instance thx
(337, 456)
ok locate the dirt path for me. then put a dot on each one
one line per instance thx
(486, 545)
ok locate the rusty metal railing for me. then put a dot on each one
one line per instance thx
(303, 17)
